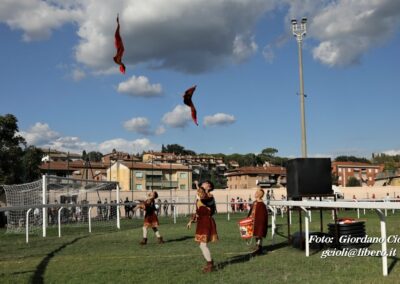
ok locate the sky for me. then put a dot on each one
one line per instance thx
(59, 79)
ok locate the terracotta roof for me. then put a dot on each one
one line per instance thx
(74, 165)
(149, 166)
(355, 164)
(257, 170)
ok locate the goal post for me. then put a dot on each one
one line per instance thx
(46, 196)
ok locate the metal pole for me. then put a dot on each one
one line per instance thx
(44, 209)
(302, 108)
(27, 224)
(299, 31)
(90, 220)
(118, 215)
(188, 185)
(59, 221)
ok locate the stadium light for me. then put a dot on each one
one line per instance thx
(299, 31)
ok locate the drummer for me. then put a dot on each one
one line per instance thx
(259, 214)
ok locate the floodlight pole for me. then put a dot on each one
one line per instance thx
(299, 31)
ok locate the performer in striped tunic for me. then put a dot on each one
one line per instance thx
(150, 217)
(206, 229)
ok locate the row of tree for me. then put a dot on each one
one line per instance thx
(19, 163)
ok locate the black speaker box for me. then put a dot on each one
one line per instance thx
(308, 177)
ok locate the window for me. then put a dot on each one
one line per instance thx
(340, 178)
(340, 170)
(139, 187)
(376, 171)
(139, 174)
(183, 175)
(370, 170)
(349, 170)
(182, 186)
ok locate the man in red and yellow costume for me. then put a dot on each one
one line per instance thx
(206, 229)
(150, 217)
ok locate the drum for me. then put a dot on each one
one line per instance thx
(246, 228)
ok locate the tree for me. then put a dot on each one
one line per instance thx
(94, 156)
(10, 150)
(84, 155)
(269, 152)
(177, 150)
(31, 159)
(352, 181)
(352, 159)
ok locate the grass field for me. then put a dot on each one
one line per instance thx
(110, 256)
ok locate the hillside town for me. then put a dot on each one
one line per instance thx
(159, 170)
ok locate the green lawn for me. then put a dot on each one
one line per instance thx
(110, 256)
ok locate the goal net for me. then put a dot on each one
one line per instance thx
(68, 201)
(22, 195)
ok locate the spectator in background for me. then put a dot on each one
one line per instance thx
(268, 195)
(127, 208)
(105, 210)
(233, 204)
(241, 205)
(165, 207)
(158, 207)
(245, 206)
(99, 209)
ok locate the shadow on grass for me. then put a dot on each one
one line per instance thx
(41, 268)
(393, 264)
(248, 256)
(179, 239)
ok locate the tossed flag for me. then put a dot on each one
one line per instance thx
(119, 45)
(187, 100)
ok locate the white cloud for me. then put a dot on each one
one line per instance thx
(392, 152)
(347, 29)
(219, 119)
(41, 135)
(78, 74)
(244, 46)
(38, 18)
(268, 53)
(135, 146)
(178, 117)
(139, 87)
(169, 34)
(197, 36)
(138, 124)
(160, 130)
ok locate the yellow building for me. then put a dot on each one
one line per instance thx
(247, 177)
(147, 176)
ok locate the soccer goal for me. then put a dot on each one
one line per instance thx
(61, 201)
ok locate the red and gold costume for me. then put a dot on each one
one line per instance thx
(206, 229)
(259, 214)
(150, 216)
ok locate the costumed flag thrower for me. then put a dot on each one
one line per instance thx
(119, 45)
(187, 100)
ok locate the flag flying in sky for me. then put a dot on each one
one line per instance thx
(187, 100)
(119, 45)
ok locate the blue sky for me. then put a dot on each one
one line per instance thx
(59, 79)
